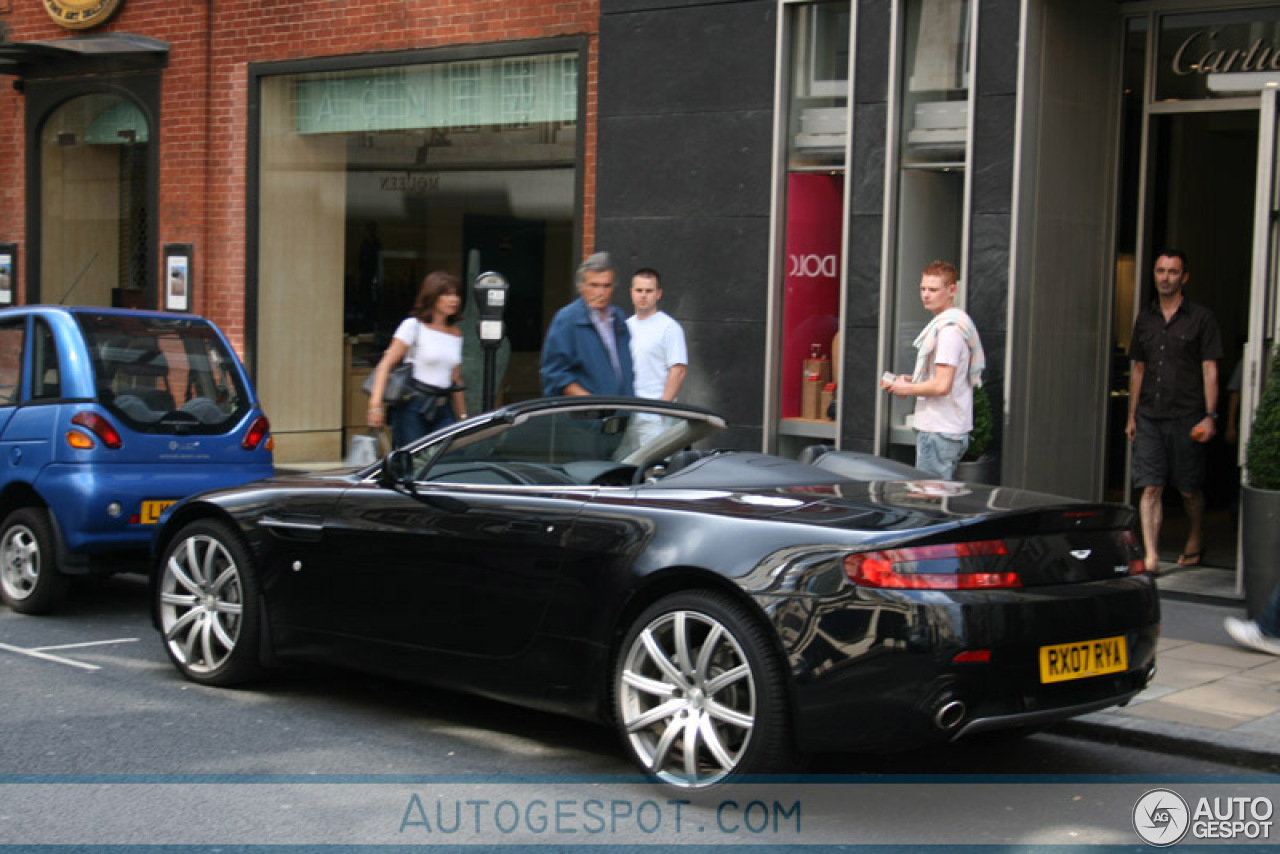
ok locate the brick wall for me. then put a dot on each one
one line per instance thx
(204, 135)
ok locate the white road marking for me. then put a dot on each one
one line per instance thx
(42, 651)
(36, 654)
(86, 643)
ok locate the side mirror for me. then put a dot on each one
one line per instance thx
(397, 470)
(397, 473)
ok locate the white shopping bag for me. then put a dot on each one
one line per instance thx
(363, 450)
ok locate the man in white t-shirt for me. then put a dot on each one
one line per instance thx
(658, 350)
(949, 363)
(658, 353)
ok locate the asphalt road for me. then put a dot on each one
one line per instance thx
(90, 693)
(93, 692)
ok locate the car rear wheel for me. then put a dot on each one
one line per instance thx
(208, 605)
(30, 581)
(699, 693)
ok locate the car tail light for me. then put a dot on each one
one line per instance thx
(953, 566)
(98, 426)
(972, 656)
(1137, 561)
(258, 431)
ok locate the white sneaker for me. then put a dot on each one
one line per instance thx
(1247, 633)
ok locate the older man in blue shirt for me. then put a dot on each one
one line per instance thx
(588, 348)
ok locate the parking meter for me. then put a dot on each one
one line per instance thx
(491, 294)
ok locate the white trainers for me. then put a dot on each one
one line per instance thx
(1247, 633)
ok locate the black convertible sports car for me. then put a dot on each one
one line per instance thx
(728, 612)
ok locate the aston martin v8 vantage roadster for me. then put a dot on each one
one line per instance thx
(728, 612)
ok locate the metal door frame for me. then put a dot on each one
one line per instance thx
(1266, 245)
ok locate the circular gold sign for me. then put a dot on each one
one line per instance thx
(81, 14)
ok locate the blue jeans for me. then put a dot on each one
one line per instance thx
(409, 423)
(939, 453)
(1269, 619)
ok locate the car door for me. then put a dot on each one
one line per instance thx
(460, 568)
(465, 557)
(32, 391)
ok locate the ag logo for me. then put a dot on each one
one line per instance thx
(81, 14)
(1161, 817)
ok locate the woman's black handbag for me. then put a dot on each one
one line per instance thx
(400, 384)
(399, 387)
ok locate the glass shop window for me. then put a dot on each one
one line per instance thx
(817, 116)
(387, 173)
(932, 161)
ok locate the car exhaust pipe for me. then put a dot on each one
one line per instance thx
(949, 715)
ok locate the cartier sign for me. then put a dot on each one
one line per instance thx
(1195, 45)
(1198, 54)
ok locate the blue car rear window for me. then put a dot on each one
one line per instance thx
(164, 375)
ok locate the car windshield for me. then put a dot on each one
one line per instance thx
(164, 374)
(563, 446)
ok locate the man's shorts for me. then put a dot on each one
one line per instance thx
(1165, 454)
(940, 453)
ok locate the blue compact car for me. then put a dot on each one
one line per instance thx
(107, 417)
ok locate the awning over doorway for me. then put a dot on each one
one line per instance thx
(83, 54)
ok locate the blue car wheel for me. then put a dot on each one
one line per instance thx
(29, 578)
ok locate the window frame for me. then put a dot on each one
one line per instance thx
(794, 47)
(899, 283)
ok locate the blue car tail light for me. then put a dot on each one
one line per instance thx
(260, 429)
(98, 426)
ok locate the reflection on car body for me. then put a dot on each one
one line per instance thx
(727, 611)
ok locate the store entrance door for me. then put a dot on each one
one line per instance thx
(93, 179)
(1199, 198)
(1213, 190)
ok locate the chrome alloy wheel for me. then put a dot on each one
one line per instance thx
(19, 562)
(687, 699)
(201, 604)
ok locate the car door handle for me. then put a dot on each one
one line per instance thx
(527, 527)
(310, 528)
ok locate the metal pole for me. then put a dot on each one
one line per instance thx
(487, 397)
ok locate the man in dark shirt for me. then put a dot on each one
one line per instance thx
(1173, 403)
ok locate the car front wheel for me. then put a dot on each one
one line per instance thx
(208, 605)
(699, 693)
(30, 581)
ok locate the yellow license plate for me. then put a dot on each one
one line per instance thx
(1083, 659)
(151, 511)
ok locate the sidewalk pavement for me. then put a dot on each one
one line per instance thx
(1216, 701)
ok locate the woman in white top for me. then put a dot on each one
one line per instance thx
(429, 338)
